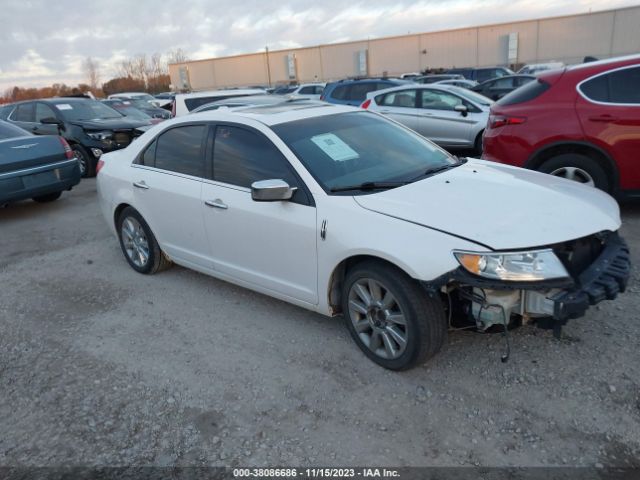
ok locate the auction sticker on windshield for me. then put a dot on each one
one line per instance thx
(64, 106)
(333, 146)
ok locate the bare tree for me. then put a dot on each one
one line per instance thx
(92, 71)
(177, 55)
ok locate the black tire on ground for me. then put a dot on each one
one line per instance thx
(87, 162)
(157, 260)
(581, 162)
(477, 146)
(51, 197)
(426, 323)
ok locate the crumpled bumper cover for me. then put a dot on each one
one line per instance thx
(604, 279)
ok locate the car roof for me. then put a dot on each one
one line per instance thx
(627, 59)
(221, 93)
(271, 115)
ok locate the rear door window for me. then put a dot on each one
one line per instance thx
(403, 98)
(180, 150)
(341, 92)
(25, 112)
(359, 90)
(307, 91)
(621, 86)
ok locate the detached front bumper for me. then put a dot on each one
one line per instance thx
(603, 280)
(557, 300)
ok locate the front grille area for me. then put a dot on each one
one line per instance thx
(122, 139)
(577, 255)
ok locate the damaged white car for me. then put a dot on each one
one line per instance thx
(342, 211)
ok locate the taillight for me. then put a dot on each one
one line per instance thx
(366, 104)
(67, 149)
(99, 165)
(173, 108)
(496, 121)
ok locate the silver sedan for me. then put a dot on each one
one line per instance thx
(450, 116)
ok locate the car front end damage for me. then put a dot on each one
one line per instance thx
(548, 285)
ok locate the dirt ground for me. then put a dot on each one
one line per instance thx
(102, 366)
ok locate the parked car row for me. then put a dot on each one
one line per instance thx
(90, 127)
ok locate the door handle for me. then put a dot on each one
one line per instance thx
(217, 203)
(603, 118)
(141, 185)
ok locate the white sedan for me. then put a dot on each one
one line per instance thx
(452, 117)
(342, 211)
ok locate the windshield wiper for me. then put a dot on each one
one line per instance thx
(442, 168)
(369, 186)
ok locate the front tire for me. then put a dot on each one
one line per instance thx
(86, 161)
(51, 197)
(393, 321)
(579, 168)
(139, 245)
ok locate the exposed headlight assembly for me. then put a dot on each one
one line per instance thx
(102, 135)
(528, 266)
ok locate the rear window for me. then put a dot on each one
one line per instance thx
(525, 93)
(192, 103)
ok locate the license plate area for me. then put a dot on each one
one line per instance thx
(41, 179)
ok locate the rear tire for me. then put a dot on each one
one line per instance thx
(139, 245)
(478, 144)
(50, 197)
(577, 167)
(402, 326)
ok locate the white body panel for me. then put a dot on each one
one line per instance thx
(278, 248)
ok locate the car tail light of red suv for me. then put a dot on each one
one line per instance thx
(496, 121)
(581, 123)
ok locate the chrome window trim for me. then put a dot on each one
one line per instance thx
(191, 177)
(596, 102)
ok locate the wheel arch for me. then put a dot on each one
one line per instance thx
(579, 147)
(117, 211)
(338, 274)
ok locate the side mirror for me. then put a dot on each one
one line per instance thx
(51, 121)
(271, 191)
(462, 109)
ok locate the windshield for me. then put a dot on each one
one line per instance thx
(136, 102)
(86, 110)
(357, 148)
(472, 96)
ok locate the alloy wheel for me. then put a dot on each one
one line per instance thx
(574, 173)
(377, 318)
(135, 242)
(79, 156)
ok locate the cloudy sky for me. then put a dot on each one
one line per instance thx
(44, 41)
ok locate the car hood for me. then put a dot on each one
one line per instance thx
(499, 207)
(110, 124)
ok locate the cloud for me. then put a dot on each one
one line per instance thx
(45, 42)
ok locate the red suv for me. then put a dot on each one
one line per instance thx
(580, 123)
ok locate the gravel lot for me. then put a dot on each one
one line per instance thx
(102, 366)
